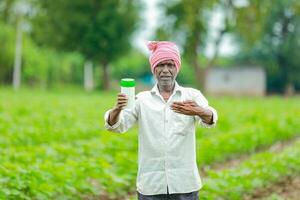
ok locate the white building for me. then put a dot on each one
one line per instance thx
(238, 81)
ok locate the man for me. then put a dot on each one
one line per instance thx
(166, 116)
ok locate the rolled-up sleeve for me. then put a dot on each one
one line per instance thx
(107, 125)
(202, 101)
(127, 118)
(215, 118)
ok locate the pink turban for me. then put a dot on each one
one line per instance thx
(161, 51)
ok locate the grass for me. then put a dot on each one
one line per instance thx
(53, 144)
(258, 171)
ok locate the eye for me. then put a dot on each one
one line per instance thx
(170, 65)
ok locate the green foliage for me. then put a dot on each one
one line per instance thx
(41, 66)
(187, 23)
(256, 127)
(7, 49)
(186, 74)
(273, 41)
(46, 67)
(100, 30)
(259, 171)
(134, 64)
(54, 145)
(5, 9)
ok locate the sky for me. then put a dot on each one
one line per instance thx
(151, 15)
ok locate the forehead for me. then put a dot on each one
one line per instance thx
(170, 61)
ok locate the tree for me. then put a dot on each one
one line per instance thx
(14, 12)
(273, 40)
(7, 40)
(100, 30)
(5, 9)
(187, 22)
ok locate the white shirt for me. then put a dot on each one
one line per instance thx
(167, 147)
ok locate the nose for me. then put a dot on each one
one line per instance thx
(165, 68)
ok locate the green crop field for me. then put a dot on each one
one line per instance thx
(53, 145)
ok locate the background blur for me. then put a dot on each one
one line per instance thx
(60, 66)
(57, 43)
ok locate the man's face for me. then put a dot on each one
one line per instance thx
(165, 73)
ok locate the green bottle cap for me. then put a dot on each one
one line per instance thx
(127, 82)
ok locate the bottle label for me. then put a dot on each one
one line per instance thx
(130, 93)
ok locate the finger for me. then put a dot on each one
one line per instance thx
(177, 108)
(194, 103)
(122, 99)
(178, 111)
(121, 102)
(122, 105)
(189, 102)
(178, 103)
(185, 110)
(122, 95)
(182, 105)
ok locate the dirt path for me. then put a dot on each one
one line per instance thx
(277, 147)
(287, 189)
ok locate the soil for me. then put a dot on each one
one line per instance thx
(231, 163)
(287, 188)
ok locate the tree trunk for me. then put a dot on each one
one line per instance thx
(88, 76)
(289, 89)
(218, 41)
(18, 56)
(105, 76)
(199, 74)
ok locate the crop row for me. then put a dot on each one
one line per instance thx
(260, 170)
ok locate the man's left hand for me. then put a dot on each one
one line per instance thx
(188, 107)
(191, 108)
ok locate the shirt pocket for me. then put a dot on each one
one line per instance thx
(181, 124)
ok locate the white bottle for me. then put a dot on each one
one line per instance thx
(128, 88)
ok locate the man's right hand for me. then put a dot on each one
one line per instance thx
(122, 101)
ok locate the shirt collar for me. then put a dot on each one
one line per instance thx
(177, 87)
